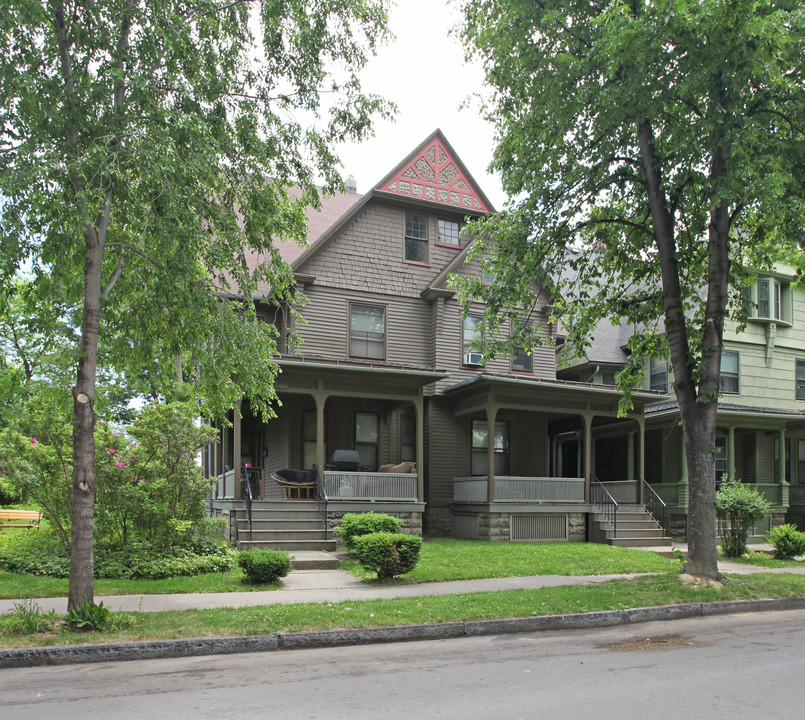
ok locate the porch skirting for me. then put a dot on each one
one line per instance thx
(507, 522)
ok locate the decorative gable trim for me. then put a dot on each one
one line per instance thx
(434, 173)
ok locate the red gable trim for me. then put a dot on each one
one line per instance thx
(435, 175)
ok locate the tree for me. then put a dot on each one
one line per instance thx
(148, 148)
(663, 141)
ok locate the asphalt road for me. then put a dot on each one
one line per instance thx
(732, 666)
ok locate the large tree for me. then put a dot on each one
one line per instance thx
(663, 141)
(147, 148)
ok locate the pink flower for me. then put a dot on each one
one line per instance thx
(120, 464)
(112, 450)
(33, 440)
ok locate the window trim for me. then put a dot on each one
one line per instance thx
(415, 239)
(350, 353)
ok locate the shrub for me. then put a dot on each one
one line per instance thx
(738, 507)
(262, 566)
(89, 616)
(353, 526)
(388, 554)
(788, 542)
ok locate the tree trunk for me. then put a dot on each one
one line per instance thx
(82, 581)
(698, 427)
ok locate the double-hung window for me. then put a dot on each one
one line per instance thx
(472, 339)
(800, 380)
(367, 331)
(521, 358)
(658, 375)
(480, 447)
(730, 372)
(416, 238)
(367, 438)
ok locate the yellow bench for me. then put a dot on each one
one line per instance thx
(23, 518)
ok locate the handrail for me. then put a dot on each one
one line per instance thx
(654, 505)
(246, 491)
(607, 505)
(321, 498)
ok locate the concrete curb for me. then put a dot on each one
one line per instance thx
(192, 647)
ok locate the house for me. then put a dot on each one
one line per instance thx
(390, 368)
(760, 436)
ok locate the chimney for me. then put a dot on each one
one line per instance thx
(351, 184)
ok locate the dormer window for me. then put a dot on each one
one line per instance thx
(766, 300)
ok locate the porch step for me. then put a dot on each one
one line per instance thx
(635, 528)
(653, 542)
(288, 545)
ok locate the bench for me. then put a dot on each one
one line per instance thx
(23, 518)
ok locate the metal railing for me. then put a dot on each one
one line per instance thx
(321, 499)
(653, 504)
(246, 492)
(606, 504)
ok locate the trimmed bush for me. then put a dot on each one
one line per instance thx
(262, 566)
(788, 541)
(738, 507)
(388, 554)
(353, 526)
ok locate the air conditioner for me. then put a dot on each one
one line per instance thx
(474, 359)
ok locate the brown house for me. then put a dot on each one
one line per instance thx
(389, 368)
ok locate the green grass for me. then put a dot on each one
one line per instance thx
(765, 560)
(15, 585)
(661, 589)
(442, 560)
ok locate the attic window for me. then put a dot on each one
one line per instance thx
(448, 232)
(416, 238)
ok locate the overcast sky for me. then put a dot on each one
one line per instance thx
(424, 73)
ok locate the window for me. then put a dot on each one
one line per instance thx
(729, 372)
(658, 375)
(367, 433)
(407, 438)
(448, 232)
(416, 238)
(721, 459)
(765, 300)
(472, 335)
(799, 387)
(480, 446)
(521, 359)
(488, 273)
(309, 438)
(367, 331)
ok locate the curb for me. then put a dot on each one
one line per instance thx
(194, 647)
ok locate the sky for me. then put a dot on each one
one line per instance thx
(423, 71)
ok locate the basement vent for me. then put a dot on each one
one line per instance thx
(538, 527)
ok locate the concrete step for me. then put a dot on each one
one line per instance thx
(649, 532)
(641, 542)
(287, 534)
(272, 524)
(275, 514)
(289, 545)
(314, 560)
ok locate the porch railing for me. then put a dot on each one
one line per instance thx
(653, 504)
(520, 489)
(606, 504)
(401, 487)
(225, 486)
(622, 491)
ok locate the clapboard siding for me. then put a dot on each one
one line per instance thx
(449, 452)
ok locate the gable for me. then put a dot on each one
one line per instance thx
(433, 172)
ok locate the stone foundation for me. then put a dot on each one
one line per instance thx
(438, 522)
(577, 527)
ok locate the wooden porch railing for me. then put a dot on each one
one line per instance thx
(341, 486)
(520, 489)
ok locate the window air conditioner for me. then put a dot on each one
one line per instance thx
(474, 359)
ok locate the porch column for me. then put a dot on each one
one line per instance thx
(731, 451)
(784, 498)
(491, 414)
(587, 468)
(419, 408)
(321, 460)
(236, 449)
(630, 473)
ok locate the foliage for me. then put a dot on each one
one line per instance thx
(738, 508)
(149, 151)
(354, 525)
(39, 552)
(654, 151)
(88, 616)
(788, 541)
(263, 566)
(386, 553)
(27, 618)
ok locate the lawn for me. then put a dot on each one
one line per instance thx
(765, 560)
(442, 560)
(663, 589)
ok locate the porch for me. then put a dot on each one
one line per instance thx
(519, 489)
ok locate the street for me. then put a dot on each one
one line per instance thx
(719, 667)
